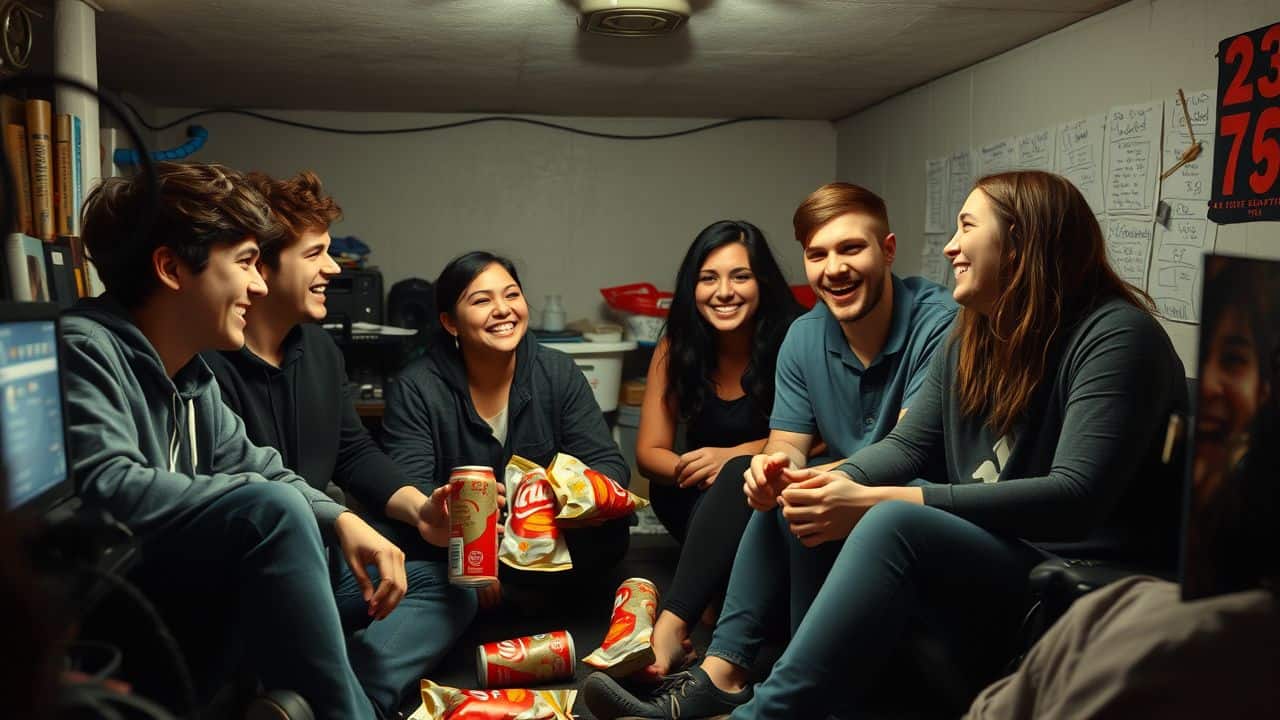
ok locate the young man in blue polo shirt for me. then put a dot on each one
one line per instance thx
(847, 371)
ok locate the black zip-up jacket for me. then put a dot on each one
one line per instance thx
(431, 425)
(305, 410)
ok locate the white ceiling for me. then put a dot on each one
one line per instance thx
(817, 59)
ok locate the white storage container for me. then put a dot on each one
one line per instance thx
(601, 362)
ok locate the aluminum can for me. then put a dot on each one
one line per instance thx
(525, 661)
(473, 526)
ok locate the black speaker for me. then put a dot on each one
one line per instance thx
(412, 304)
(356, 295)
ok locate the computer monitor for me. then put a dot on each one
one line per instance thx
(33, 434)
(1233, 495)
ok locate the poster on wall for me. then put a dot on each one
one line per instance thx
(1246, 158)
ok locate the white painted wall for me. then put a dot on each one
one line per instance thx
(1140, 51)
(575, 213)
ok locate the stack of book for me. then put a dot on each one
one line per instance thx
(43, 253)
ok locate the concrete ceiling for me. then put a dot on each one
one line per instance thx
(814, 59)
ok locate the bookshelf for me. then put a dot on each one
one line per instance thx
(52, 150)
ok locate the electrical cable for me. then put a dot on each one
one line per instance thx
(186, 687)
(444, 126)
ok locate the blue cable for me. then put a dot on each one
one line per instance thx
(128, 156)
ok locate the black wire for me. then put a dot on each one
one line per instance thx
(442, 126)
(185, 685)
(98, 698)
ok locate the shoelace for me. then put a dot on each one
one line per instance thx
(672, 684)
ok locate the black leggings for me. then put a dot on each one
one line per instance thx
(710, 542)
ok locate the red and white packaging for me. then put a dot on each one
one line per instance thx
(532, 540)
(585, 494)
(473, 526)
(628, 646)
(525, 661)
(446, 703)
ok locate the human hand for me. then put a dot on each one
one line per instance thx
(823, 506)
(699, 468)
(764, 480)
(363, 546)
(433, 515)
(490, 595)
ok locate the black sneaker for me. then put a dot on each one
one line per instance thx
(685, 695)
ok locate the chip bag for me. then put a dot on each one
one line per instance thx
(628, 646)
(585, 494)
(446, 703)
(532, 540)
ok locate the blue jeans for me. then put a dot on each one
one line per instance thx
(389, 656)
(254, 557)
(903, 567)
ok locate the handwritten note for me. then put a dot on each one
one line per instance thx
(936, 208)
(1195, 179)
(933, 264)
(1179, 251)
(997, 157)
(1133, 146)
(959, 181)
(1129, 248)
(1078, 156)
(1035, 150)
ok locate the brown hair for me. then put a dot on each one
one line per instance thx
(200, 205)
(833, 200)
(300, 204)
(1054, 271)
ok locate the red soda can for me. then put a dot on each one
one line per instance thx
(524, 661)
(473, 526)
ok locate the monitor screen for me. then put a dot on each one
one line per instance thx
(31, 421)
(1233, 494)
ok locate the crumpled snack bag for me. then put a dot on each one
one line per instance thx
(532, 540)
(628, 646)
(585, 494)
(446, 703)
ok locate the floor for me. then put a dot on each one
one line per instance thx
(653, 555)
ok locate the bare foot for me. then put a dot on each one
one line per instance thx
(724, 674)
(672, 649)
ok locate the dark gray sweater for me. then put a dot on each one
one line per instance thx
(431, 425)
(1081, 474)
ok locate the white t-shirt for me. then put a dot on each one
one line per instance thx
(499, 424)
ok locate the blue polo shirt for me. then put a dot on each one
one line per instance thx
(823, 388)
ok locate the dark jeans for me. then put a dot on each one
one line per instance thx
(254, 557)
(391, 655)
(903, 567)
(719, 516)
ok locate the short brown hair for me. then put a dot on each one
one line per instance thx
(300, 204)
(200, 205)
(833, 200)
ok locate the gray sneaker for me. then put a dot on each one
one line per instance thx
(687, 695)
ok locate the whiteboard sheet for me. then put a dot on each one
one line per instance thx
(1133, 158)
(936, 207)
(1078, 156)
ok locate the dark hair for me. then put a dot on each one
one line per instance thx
(1241, 287)
(300, 204)
(201, 205)
(458, 274)
(692, 356)
(1054, 271)
(833, 200)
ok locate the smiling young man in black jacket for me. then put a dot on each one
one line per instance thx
(289, 384)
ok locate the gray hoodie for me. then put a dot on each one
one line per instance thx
(149, 448)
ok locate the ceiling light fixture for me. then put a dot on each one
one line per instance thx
(634, 18)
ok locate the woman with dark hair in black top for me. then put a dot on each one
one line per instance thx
(712, 376)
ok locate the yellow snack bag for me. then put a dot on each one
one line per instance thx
(585, 494)
(532, 540)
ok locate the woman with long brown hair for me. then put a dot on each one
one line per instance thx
(1038, 433)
